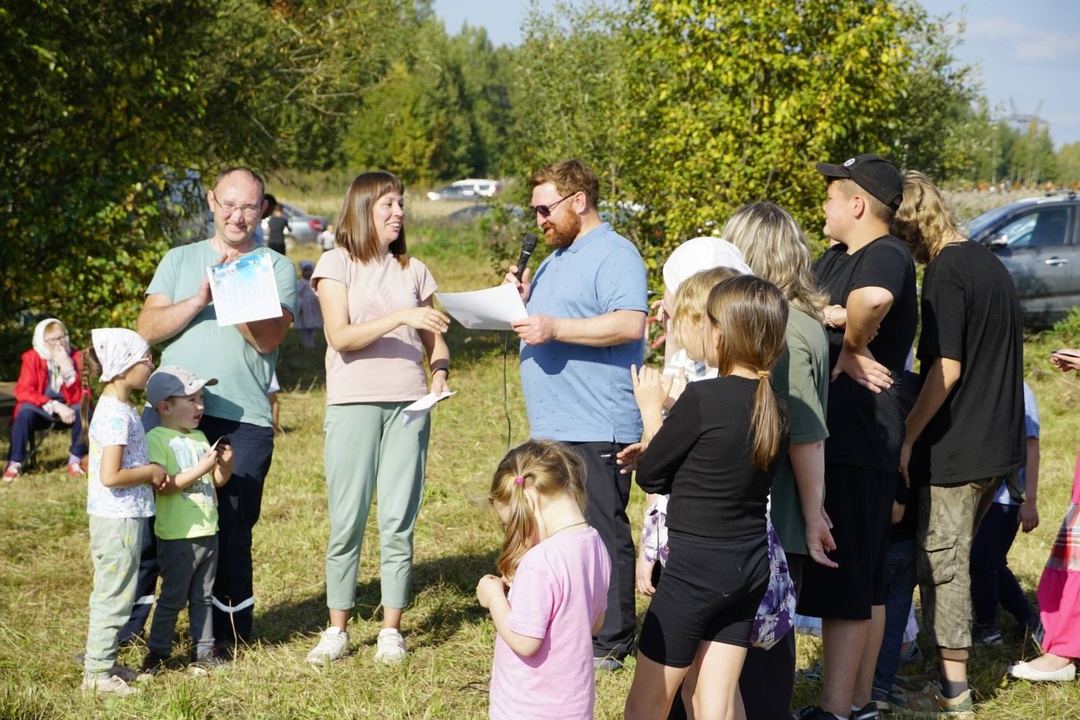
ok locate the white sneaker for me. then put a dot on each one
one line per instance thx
(333, 643)
(113, 685)
(391, 647)
(1024, 671)
(128, 675)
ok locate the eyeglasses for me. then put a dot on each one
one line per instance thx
(544, 211)
(58, 340)
(248, 211)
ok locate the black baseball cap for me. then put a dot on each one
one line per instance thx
(873, 173)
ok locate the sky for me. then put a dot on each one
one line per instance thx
(1027, 52)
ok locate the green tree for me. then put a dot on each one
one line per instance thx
(438, 112)
(106, 103)
(570, 90)
(1031, 158)
(1068, 165)
(736, 100)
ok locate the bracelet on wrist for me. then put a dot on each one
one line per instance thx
(444, 369)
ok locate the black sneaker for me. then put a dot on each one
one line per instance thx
(870, 711)
(812, 712)
(988, 635)
(153, 664)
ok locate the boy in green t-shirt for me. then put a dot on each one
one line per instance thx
(187, 516)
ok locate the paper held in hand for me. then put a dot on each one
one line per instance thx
(245, 290)
(491, 309)
(421, 407)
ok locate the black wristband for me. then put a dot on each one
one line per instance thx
(444, 369)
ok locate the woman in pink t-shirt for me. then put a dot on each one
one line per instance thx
(552, 594)
(380, 322)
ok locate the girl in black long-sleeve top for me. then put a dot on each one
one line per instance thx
(717, 455)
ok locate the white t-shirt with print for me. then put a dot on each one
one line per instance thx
(116, 423)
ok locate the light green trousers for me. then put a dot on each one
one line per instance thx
(115, 544)
(368, 450)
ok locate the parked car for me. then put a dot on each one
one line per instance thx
(1038, 241)
(468, 189)
(303, 228)
(472, 213)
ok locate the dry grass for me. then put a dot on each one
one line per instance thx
(45, 571)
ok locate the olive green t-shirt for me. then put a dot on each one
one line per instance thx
(801, 377)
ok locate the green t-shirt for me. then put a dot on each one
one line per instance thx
(212, 351)
(801, 377)
(192, 512)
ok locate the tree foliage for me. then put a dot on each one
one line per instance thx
(437, 113)
(105, 103)
(739, 100)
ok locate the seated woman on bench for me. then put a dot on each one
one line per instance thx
(48, 392)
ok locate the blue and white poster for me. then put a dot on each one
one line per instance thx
(245, 290)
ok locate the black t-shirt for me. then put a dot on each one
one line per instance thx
(971, 313)
(276, 237)
(866, 429)
(701, 455)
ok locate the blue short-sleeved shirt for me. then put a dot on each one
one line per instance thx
(577, 393)
(1031, 430)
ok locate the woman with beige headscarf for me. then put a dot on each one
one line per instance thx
(49, 390)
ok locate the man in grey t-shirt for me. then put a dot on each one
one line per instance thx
(179, 313)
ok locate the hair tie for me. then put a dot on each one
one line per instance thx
(763, 374)
(519, 480)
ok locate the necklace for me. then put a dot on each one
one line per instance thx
(567, 527)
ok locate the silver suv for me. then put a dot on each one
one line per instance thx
(1038, 241)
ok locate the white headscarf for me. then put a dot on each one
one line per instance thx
(701, 253)
(118, 349)
(40, 345)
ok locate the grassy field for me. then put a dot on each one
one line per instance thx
(45, 570)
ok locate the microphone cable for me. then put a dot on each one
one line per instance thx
(506, 388)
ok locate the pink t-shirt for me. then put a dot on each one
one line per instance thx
(559, 590)
(391, 368)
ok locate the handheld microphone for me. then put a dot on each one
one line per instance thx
(527, 247)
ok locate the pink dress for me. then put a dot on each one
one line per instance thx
(559, 590)
(1059, 588)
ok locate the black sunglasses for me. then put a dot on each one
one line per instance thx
(544, 211)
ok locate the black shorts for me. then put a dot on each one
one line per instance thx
(710, 591)
(859, 503)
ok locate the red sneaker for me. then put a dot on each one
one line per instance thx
(75, 469)
(12, 471)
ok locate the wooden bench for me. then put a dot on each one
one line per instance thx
(7, 407)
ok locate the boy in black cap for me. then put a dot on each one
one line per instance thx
(871, 322)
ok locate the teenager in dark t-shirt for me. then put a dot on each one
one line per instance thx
(966, 431)
(871, 320)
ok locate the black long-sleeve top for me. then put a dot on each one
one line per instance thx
(701, 455)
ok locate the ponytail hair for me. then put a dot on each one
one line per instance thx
(751, 315)
(91, 367)
(550, 468)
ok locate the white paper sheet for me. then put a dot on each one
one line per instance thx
(244, 290)
(422, 407)
(491, 309)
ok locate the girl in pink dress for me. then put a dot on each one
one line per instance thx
(1059, 588)
(1059, 603)
(552, 592)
